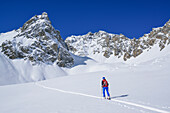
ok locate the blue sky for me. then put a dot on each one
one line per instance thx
(133, 18)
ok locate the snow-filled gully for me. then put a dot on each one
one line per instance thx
(120, 101)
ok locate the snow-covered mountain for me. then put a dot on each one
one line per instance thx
(109, 45)
(37, 41)
(34, 52)
(137, 71)
(37, 52)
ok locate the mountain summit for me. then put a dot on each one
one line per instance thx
(39, 42)
(120, 46)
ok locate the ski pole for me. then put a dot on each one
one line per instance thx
(101, 92)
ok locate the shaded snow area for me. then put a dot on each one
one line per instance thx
(140, 86)
(8, 74)
(20, 71)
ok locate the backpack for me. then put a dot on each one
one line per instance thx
(105, 83)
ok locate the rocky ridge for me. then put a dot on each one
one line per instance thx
(39, 42)
(118, 45)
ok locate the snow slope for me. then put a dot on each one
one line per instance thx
(7, 36)
(8, 74)
(141, 87)
(20, 71)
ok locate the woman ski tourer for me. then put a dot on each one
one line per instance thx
(105, 87)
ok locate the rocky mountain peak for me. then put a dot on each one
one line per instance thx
(120, 46)
(38, 42)
(42, 20)
(44, 15)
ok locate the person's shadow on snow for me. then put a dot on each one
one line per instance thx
(119, 96)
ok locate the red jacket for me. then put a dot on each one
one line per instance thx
(105, 83)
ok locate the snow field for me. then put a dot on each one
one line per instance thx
(81, 93)
(119, 101)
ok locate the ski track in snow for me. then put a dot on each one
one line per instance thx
(119, 101)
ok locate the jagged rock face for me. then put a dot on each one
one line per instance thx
(39, 42)
(160, 35)
(118, 45)
(99, 42)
